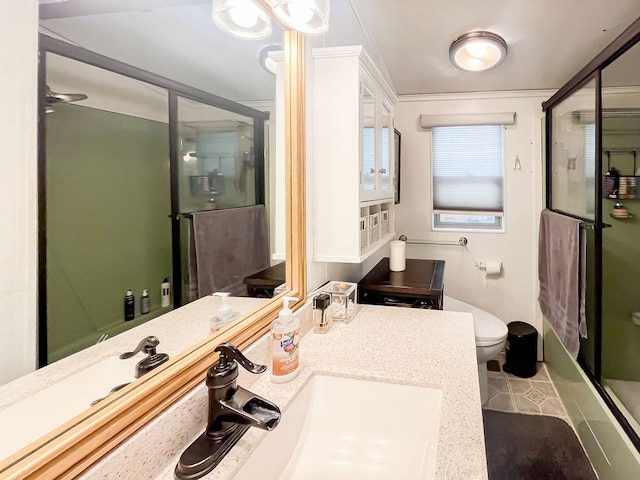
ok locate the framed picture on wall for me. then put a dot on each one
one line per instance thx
(396, 160)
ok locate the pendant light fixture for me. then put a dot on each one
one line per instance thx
(241, 18)
(478, 51)
(310, 17)
(246, 19)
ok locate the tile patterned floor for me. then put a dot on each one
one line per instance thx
(534, 395)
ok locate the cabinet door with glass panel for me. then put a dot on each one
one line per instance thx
(376, 142)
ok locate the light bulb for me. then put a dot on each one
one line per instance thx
(244, 14)
(477, 49)
(310, 17)
(241, 18)
(301, 13)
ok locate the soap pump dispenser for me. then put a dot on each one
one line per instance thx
(285, 346)
(224, 315)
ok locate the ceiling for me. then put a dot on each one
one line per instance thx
(549, 40)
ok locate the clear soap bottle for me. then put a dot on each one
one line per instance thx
(225, 314)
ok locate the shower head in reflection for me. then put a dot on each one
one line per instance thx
(55, 98)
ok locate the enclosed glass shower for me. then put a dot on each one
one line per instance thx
(593, 173)
(122, 167)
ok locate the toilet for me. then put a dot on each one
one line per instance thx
(491, 335)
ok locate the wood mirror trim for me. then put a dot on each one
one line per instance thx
(70, 449)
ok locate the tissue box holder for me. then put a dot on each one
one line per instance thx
(343, 300)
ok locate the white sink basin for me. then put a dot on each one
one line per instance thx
(38, 414)
(341, 428)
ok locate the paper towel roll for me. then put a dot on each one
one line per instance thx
(492, 267)
(397, 262)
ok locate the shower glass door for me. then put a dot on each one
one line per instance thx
(107, 206)
(220, 165)
(620, 250)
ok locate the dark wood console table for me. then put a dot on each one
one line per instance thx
(420, 285)
(262, 283)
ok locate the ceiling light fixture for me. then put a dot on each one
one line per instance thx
(310, 17)
(477, 51)
(241, 18)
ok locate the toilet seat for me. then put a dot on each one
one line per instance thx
(489, 330)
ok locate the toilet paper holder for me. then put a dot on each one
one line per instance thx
(482, 265)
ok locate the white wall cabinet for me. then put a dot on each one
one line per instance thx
(352, 156)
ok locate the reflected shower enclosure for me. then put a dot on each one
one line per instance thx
(127, 158)
(107, 203)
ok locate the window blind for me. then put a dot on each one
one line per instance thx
(467, 165)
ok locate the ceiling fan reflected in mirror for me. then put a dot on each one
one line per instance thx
(54, 98)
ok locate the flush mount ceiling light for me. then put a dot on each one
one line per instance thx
(310, 17)
(477, 51)
(241, 18)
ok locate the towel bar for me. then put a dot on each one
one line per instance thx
(462, 241)
(591, 226)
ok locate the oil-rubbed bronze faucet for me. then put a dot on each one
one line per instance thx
(152, 360)
(232, 410)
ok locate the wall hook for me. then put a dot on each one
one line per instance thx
(516, 164)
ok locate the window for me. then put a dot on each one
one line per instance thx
(467, 177)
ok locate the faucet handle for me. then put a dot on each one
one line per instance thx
(147, 345)
(228, 353)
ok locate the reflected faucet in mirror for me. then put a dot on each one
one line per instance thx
(232, 410)
(152, 360)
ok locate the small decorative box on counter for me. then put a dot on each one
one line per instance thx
(343, 300)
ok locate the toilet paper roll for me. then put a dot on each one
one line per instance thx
(397, 259)
(492, 267)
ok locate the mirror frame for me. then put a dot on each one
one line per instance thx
(74, 446)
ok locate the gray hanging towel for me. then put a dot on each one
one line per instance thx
(225, 247)
(561, 268)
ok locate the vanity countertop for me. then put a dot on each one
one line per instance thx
(400, 345)
(194, 321)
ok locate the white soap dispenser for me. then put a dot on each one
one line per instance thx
(224, 314)
(285, 346)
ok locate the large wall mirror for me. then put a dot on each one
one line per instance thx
(216, 145)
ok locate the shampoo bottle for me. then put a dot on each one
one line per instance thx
(285, 347)
(165, 292)
(129, 306)
(144, 302)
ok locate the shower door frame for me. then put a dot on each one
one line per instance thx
(593, 70)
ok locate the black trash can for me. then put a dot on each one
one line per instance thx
(522, 349)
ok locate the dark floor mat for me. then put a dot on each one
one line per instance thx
(533, 447)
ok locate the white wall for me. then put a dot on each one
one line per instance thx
(513, 296)
(18, 198)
